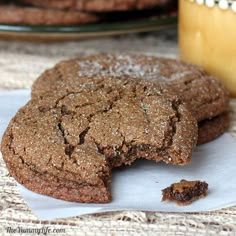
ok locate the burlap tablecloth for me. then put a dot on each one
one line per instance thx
(20, 64)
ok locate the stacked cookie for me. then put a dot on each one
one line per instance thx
(97, 5)
(89, 115)
(203, 94)
(72, 12)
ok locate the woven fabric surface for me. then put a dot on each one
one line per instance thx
(20, 64)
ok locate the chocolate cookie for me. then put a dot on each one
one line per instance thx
(204, 95)
(212, 128)
(14, 14)
(65, 144)
(97, 5)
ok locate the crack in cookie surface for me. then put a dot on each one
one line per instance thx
(203, 94)
(76, 136)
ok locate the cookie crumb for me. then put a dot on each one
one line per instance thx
(185, 192)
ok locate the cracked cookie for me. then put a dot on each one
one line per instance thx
(202, 93)
(65, 144)
(97, 5)
(14, 14)
(185, 192)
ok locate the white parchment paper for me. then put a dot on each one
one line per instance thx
(138, 187)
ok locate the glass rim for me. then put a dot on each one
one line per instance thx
(222, 4)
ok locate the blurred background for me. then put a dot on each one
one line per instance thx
(35, 34)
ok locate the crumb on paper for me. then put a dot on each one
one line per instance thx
(185, 192)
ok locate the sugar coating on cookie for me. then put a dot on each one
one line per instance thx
(203, 94)
(65, 144)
